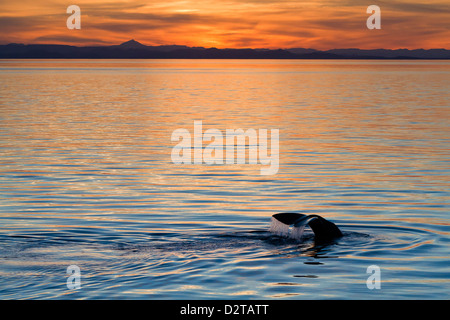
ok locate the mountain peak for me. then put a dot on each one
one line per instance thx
(131, 44)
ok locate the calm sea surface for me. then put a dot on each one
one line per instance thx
(87, 179)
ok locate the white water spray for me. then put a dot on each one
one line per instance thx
(280, 229)
(297, 232)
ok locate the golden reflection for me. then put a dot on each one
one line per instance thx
(99, 139)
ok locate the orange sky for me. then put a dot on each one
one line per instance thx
(325, 24)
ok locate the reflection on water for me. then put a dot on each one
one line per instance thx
(86, 178)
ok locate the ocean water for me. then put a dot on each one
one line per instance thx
(87, 179)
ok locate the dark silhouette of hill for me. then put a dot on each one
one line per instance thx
(131, 44)
(394, 54)
(134, 50)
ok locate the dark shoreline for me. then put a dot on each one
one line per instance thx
(139, 51)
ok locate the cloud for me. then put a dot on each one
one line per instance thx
(323, 24)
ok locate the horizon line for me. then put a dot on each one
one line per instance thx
(213, 47)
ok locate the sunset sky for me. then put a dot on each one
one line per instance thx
(319, 24)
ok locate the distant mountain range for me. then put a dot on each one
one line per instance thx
(134, 50)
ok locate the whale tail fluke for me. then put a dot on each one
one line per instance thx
(323, 229)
